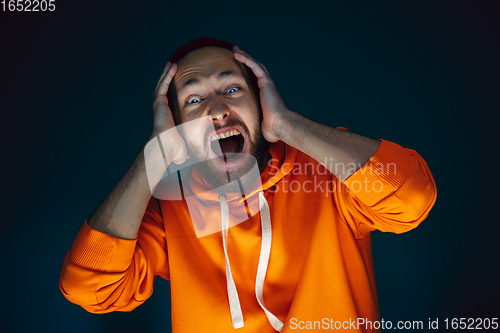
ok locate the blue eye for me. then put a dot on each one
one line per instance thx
(232, 90)
(193, 100)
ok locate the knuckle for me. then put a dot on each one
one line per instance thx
(267, 80)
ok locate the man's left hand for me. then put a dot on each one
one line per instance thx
(273, 106)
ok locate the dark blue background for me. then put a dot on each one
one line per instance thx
(75, 105)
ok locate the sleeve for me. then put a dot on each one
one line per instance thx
(393, 192)
(103, 273)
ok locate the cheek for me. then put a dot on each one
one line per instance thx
(196, 150)
(193, 113)
(195, 132)
(251, 119)
(248, 111)
(194, 138)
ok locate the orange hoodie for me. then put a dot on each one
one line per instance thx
(320, 272)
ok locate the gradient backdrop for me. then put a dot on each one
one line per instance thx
(75, 105)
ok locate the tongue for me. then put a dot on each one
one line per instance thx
(228, 145)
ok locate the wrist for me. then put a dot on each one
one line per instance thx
(167, 140)
(156, 132)
(284, 125)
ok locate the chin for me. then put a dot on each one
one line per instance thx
(217, 172)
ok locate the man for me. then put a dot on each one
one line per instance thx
(302, 262)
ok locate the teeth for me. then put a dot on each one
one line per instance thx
(225, 135)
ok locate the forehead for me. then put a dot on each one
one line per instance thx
(206, 62)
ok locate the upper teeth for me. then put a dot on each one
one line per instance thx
(225, 135)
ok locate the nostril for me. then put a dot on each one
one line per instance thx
(220, 116)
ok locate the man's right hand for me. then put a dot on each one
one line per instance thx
(121, 213)
(163, 120)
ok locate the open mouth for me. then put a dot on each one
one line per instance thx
(231, 144)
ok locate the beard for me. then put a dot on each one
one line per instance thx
(215, 177)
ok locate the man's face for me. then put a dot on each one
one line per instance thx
(211, 83)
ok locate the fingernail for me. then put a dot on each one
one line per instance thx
(238, 50)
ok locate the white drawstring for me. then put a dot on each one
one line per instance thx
(265, 253)
(232, 293)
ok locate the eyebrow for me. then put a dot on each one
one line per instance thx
(221, 75)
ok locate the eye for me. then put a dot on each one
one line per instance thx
(232, 90)
(193, 100)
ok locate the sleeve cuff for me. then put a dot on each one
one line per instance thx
(98, 251)
(382, 175)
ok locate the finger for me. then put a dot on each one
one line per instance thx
(257, 68)
(265, 69)
(165, 83)
(165, 70)
(162, 76)
(245, 52)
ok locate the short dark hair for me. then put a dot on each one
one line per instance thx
(196, 44)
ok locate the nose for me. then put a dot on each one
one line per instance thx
(219, 110)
